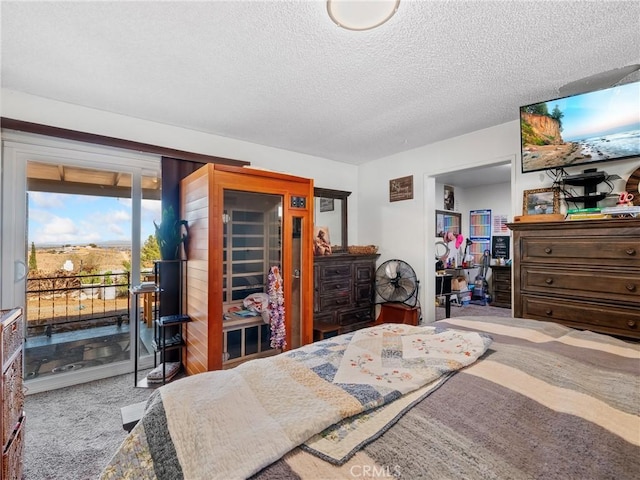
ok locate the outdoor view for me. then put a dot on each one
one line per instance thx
(79, 274)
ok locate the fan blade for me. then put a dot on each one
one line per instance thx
(391, 269)
(408, 284)
(386, 291)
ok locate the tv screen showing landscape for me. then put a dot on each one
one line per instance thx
(592, 127)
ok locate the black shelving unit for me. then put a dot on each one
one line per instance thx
(589, 179)
(170, 317)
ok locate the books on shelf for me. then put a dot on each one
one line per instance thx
(585, 216)
(620, 211)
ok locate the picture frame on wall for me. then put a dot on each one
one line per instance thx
(541, 201)
(448, 222)
(449, 199)
(401, 188)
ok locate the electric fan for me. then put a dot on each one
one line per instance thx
(396, 281)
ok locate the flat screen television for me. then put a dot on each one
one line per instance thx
(597, 126)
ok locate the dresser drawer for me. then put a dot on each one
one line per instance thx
(364, 273)
(612, 319)
(340, 287)
(12, 331)
(335, 272)
(582, 250)
(607, 285)
(337, 300)
(355, 316)
(12, 467)
(12, 397)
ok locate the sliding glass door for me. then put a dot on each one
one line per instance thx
(76, 229)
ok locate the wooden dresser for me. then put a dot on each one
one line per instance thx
(13, 419)
(501, 282)
(584, 274)
(344, 291)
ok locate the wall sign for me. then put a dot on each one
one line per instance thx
(401, 188)
(500, 246)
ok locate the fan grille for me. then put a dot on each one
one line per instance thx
(396, 281)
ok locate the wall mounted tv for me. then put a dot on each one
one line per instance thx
(598, 126)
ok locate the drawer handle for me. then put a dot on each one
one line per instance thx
(548, 250)
(338, 286)
(631, 251)
(548, 281)
(631, 287)
(631, 323)
(342, 302)
(549, 312)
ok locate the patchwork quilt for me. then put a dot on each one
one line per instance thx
(230, 424)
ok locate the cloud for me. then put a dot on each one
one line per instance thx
(47, 200)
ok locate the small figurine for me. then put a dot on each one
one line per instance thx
(625, 199)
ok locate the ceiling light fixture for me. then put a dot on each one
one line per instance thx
(361, 14)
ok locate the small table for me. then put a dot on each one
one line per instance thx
(324, 330)
(398, 313)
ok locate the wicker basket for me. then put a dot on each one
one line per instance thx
(362, 249)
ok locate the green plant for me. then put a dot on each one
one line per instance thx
(170, 235)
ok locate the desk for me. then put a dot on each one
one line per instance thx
(443, 289)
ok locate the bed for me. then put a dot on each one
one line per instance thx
(497, 398)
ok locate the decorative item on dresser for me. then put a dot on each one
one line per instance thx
(582, 274)
(501, 286)
(13, 417)
(343, 295)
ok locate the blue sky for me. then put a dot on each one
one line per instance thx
(61, 219)
(599, 112)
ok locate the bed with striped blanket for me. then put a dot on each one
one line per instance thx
(543, 402)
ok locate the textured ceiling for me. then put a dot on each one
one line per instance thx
(280, 73)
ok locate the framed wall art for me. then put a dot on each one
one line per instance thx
(541, 201)
(401, 188)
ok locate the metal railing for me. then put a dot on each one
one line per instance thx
(67, 303)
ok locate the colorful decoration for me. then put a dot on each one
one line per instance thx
(276, 309)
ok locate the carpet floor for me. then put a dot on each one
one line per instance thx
(71, 433)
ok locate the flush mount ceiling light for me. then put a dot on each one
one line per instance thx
(361, 14)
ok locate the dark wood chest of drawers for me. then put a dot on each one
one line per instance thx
(584, 274)
(501, 281)
(12, 393)
(343, 290)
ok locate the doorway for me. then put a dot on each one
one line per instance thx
(78, 220)
(488, 185)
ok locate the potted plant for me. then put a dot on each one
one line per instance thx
(170, 235)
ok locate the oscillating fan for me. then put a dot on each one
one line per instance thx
(396, 281)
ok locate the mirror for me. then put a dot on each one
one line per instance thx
(330, 211)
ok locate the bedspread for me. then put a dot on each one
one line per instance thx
(545, 402)
(230, 424)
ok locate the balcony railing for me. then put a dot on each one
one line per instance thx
(70, 303)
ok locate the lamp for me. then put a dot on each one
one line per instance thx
(361, 14)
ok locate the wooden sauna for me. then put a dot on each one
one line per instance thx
(242, 222)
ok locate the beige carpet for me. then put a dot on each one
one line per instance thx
(472, 310)
(71, 433)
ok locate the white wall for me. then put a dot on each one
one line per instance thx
(326, 173)
(406, 229)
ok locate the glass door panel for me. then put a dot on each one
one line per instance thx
(297, 265)
(252, 244)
